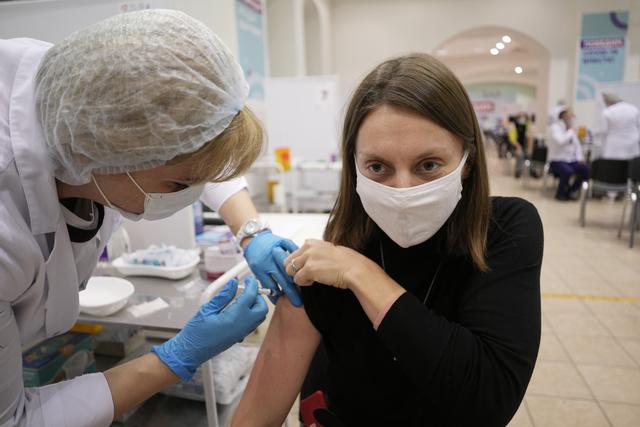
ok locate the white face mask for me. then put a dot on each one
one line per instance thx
(158, 205)
(410, 216)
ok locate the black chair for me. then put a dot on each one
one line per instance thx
(633, 196)
(604, 175)
(536, 164)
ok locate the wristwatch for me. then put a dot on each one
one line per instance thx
(250, 228)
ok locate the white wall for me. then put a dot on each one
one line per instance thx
(286, 37)
(365, 32)
(53, 20)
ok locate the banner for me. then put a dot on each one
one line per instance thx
(250, 28)
(602, 50)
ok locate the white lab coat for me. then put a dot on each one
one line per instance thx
(41, 270)
(564, 145)
(621, 126)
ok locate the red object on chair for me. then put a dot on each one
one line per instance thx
(308, 405)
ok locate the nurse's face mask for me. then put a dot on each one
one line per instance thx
(158, 205)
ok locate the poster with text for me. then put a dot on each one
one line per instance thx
(602, 51)
(250, 28)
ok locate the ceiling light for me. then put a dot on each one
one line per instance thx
(518, 70)
(500, 45)
(506, 39)
(494, 51)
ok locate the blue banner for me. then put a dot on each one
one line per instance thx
(602, 51)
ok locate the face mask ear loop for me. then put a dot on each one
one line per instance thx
(138, 185)
(101, 193)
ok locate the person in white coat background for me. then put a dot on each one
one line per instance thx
(130, 116)
(621, 128)
(566, 156)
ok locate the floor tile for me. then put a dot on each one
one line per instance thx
(557, 412)
(551, 350)
(521, 418)
(561, 305)
(558, 379)
(596, 351)
(613, 384)
(622, 415)
(576, 324)
(621, 325)
(614, 307)
(632, 347)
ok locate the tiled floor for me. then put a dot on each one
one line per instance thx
(588, 370)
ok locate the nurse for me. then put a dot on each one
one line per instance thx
(621, 128)
(129, 117)
(425, 295)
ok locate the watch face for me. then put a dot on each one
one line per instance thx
(251, 227)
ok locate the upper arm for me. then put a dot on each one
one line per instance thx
(280, 368)
(215, 194)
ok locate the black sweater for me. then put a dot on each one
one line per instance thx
(464, 358)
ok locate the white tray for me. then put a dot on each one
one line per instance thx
(174, 273)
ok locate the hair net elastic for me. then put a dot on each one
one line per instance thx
(134, 91)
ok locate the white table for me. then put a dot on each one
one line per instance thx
(185, 300)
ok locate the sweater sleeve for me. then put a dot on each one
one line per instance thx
(479, 367)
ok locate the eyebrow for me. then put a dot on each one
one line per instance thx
(425, 154)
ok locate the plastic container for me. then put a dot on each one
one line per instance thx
(219, 259)
(173, 273)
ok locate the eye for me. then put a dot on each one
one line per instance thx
(429, 167)
(376, 168)
(177, 186)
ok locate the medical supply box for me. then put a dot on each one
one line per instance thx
(58, 358)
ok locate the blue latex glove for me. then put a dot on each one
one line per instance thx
(260, 255)
(212, 330)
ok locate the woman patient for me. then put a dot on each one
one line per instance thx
(426, 290)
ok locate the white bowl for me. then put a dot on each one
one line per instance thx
(103, 296)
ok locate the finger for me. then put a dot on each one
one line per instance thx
(224, 297)
(266, 281)
(276, 292)
(260, 308)
(281, 256)
(288, 245)
(293, 293)
(300, 262)
(293, 255)
(303, 277)
(249, 294)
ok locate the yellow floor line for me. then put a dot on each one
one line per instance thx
(592, 297)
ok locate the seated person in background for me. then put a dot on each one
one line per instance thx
(426, 292)
(621, 127)
(567, 159)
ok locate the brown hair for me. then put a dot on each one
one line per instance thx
(422, 84)
(231, 153)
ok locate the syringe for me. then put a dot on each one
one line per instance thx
(261, 291)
